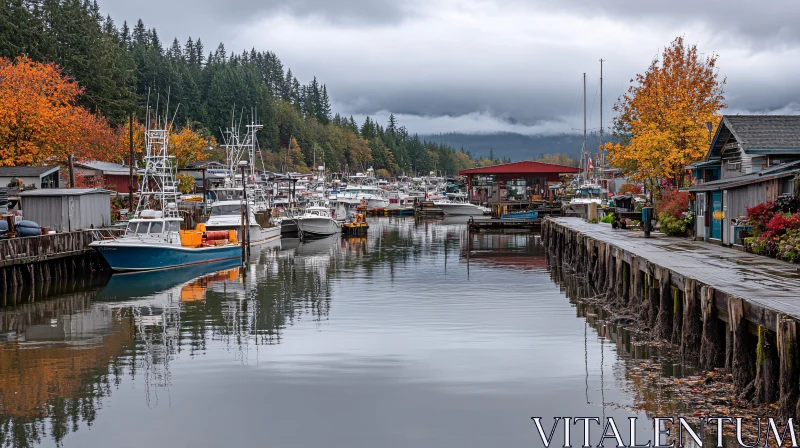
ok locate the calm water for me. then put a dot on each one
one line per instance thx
(411, 337)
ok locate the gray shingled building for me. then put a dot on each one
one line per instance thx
(751, 159)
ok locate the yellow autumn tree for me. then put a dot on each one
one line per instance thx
(660, 122)
(189, 146)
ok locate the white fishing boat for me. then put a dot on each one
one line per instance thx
(227, 215)
(153, 239)
(317, 221)
(242, 195)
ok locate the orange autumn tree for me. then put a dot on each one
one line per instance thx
(189, 146)
(40, 121)
(123, 138)
(661, 121)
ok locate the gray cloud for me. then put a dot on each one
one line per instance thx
(476, 65)
(763, 22)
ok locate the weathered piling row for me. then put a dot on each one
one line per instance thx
(40, 266)
(710, 328)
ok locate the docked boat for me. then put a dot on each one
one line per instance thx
(227, 215)
(317, 221)
(153, 239)
(456, 204)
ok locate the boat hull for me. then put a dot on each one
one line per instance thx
(258, 235)
(123, 257)
(460, 209)
(318, 226)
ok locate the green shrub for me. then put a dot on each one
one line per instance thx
(608, 219)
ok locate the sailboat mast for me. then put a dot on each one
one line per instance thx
(584, 125)
(601, 152)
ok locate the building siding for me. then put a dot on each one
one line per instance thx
(66, 213)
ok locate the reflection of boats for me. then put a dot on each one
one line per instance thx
(316, 246)
(123, 287)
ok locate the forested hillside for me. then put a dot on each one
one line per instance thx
(118, 66)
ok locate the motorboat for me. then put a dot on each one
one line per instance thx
(456, 204)
(153, 239)
(317, 221)
(227, 215)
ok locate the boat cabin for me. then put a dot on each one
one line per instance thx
(153, 227)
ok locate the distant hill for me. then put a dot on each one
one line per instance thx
(518, 146)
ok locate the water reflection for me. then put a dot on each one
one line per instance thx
(420, 333)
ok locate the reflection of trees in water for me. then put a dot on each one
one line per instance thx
(59, 360)
(50, 389)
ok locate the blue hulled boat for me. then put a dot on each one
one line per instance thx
(521, 215)
(153, 238)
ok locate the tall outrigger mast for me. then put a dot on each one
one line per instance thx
(158, 189)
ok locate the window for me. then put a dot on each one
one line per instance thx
(131, 230)
(156, 227)
(701, 205)
(226, 210)
(143, 227)
(174, 226)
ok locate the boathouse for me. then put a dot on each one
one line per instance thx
(751, 159)
(112, 176)
(68, 209)
(31, 176)
(517, 182)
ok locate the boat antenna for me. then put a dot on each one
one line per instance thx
(601, 151)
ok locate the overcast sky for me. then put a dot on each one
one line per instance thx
(492, 65)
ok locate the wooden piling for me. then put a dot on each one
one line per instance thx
(767, 367)
(788, 405)
(691, 323)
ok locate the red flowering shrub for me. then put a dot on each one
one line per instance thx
(779, 224)
(673, 203)
(759, 215)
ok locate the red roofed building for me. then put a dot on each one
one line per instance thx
(524, 181)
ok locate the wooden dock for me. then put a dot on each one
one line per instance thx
(720, 307)
(27, 264)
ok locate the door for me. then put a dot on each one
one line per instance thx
(716, 215)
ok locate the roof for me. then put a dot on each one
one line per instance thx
(106, 167)
(773, 172)
(524, 167)
(759, 134)
(27, 171)
(63, 192)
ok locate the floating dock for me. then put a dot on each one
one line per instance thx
(719, 307)
(482, 225)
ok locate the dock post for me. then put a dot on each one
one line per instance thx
(767, 367)
(714, 336)
(692, 323)
(787, 352)
(677, 316)
(663, 328)
(743, 362)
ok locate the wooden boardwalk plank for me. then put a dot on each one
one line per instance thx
(771, 283)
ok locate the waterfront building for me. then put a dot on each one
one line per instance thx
(751, 159)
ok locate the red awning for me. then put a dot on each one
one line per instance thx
(524, 167)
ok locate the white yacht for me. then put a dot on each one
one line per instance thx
(317, 221)
(227, 215)
(457, 204)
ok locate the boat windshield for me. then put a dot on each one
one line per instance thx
(142, 228)
(226, 210)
